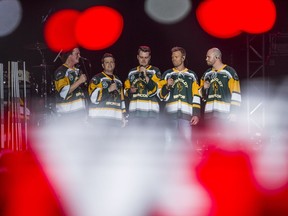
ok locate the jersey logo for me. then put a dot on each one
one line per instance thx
(213, 75)
(94, 80)
(70, 77)
(179, 86)
(215, 87)
(105, 84)
(141, 87)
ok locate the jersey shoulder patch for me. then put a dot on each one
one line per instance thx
(59, 74)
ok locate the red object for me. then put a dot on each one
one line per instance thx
(24, 189)
(59, 31)
(94, 29)
(226, 18)
(98, 27)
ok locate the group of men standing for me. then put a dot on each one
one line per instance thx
(145, 89)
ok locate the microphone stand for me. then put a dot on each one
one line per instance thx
(85, 91)
(85, 68)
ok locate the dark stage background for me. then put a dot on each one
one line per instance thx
(139, 29)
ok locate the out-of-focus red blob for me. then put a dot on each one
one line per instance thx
(59, 31)
(217, 19)
(98, 27)
(228, 178)
(226, 18)
(260, 16)
(24, 188)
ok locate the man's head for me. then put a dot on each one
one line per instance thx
(72, 57)
(144, 55)
(178, 56)
(108, 63)
(213, 56)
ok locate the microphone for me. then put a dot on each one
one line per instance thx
(207, 79)
(142, 73)
(85, 59)
(207, 89)
(115, 92)
(80, 73)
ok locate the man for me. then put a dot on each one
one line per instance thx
(220, 88)
(70, 99)
(106, 94)
(141, 88)
(179, 89)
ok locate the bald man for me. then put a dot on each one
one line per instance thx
(220, 89)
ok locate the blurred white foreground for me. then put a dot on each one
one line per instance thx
(117, 172)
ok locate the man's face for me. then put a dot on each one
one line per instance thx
(108, 64)
(143, 58)
(177, 58)
(210, 58)
(75, 55)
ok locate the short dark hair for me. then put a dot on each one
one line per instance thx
(144, 49)
(181, 49)
(106, 55)
(64, 56)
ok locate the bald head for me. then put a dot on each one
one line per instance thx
(214, 57)
(216, 52)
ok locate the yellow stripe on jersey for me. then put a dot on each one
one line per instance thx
(59, 84)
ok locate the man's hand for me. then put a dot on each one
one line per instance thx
(170, 83)
(142, 69)
(206, 85)
(82, 78)
(112, 87)
(194, 120)
(133, 89)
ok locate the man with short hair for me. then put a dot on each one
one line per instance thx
(70, 99)
(220, 88)
(106, 95)
(141, 88)
(179, 89)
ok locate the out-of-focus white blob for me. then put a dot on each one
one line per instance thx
(167, 11)
(109, 171)
(181, 194)
(260, 129)
(10, 16)
(271, 162)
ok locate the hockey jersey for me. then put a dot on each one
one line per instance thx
(182, 99)
(105, 104)
(67, 102)
(223, 96)
(144, 102)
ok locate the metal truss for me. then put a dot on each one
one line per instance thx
(257, 87)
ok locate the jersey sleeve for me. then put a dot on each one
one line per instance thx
(127, 86)
(152, 85)
(196, 103)
(96, 91)
(234, 87)
(62, 84)
(163, 91)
